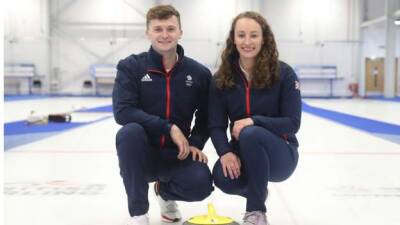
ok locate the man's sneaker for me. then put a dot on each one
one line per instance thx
(255, 218)
(139, 220)
(169, 209)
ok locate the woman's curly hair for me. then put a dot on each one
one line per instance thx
(266, 67)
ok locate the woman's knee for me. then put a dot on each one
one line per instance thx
(251, 134)
(283, 173)
(252, 139)
(226, 184)
(217, 174)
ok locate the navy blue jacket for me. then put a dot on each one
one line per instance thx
(146, 94)
(277, 109)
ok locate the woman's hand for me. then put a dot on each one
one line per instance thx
(239, 125)
(231, 165)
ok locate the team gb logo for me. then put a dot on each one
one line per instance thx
(189, 81)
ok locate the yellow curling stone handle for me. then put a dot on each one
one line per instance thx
(211, 218)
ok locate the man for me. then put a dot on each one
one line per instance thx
(155, 96)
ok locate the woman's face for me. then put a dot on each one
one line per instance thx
(248, 38)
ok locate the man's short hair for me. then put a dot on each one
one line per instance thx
(162, 12)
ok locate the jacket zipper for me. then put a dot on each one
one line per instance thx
(168, 96)
(247, 85)
(168, 106)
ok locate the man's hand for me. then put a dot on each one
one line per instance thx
(231, 165)
(180, 140)
(239, 125)
(196, 153)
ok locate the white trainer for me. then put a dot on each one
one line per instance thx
(255, 218)
(169, 209)
(139, 220)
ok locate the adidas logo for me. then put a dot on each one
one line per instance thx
(146, 78)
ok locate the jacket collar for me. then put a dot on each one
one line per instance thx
(155, 58)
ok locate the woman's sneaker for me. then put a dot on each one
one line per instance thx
(255, 218)
(169, 209)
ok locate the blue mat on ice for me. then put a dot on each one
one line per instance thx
(19, 132)
(379, 128)
(382, 98)
(106, 108)
(21, 127)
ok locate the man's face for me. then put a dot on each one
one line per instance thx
(164, 34)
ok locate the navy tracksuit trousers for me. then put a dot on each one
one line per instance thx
(264, 157)
(141, 163)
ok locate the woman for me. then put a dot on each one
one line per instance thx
(261, 98)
